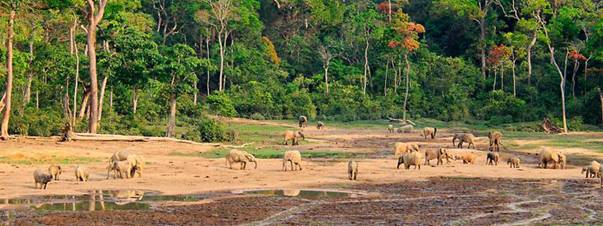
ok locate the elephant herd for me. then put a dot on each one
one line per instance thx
(122, 164)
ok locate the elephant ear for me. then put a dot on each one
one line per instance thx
(250, 157)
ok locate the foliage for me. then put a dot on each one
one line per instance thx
(273, 66)
(219, 103)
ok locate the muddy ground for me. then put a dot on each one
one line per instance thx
(437, 201)
(431, 195)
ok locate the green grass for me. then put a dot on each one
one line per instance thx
(47, 160)
(269, 153)
(258, 132)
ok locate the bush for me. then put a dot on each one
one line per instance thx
(253, 97)
(221, 104)
(257, 116)
(576, 124)
(299, 102)
(501, 107)
(37, 122)
(211, 130)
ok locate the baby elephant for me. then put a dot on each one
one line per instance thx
(55, 171)
(390, 128)
(492, 158)
(81, 173)
(514, 162)
(293, 157)
(352, 169)
(320, 125)
(41, 178)
(123, 168)
(590, 172)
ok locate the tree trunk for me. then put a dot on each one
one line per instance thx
(93, 19)
(502, 78)
(561, 76)
(85, 103)
(37, 100)
(495, 77)
(385, 80)
(326, 68)
(134, 101)
(27, 94)
(529, 56)
(9, 75)
(91, 39)
(172, 119)
(208, 60)
(195, 93)
(102, 97)
(576, 67)
(221, 45)
(366, 65)
(513, 71)
(407, 86)
(76, 82)
(601, 101)
(111, 100)
(482, 44)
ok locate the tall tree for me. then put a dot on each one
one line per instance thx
(177, 68)
(407, 42)
(12, 6)
(219, 16)
(96, 9)
(544, 7)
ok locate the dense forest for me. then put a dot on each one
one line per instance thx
(161, 67)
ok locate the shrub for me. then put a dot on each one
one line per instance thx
(37, 122)
(501, 107)
(221, 104)
(257, 116)
(211, 130)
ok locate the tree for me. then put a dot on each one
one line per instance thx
(135, 54)
(177, 69)
(220, 14)
(564, 13)
(95, 15)
(12, 6)
(407, 42)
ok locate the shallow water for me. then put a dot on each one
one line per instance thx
(304, 194)
(105, 200)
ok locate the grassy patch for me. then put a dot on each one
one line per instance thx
(585, 141)
(19, 159)
(258, 132)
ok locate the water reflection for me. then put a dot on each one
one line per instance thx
(94, 200)
(305, 194)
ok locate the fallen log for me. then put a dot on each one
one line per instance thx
(401, 121)
(113, 137)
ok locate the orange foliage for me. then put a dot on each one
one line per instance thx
(410, 44)
(414, 27)
(384, 7)
(498, 53)
(576, 55)
(409, 32)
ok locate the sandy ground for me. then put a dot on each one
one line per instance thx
(172, 174)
